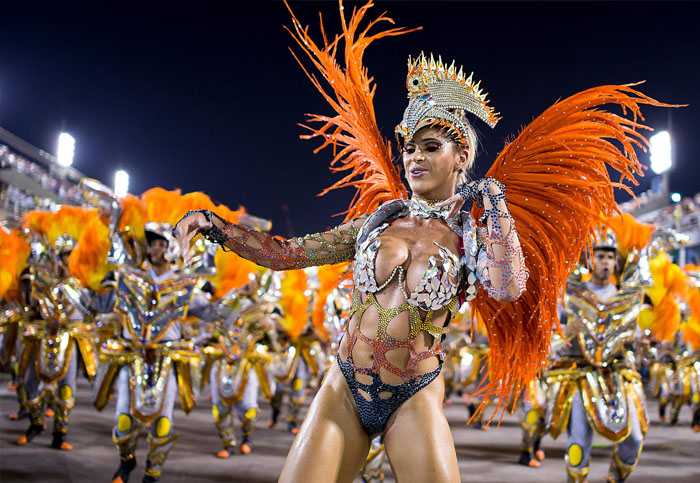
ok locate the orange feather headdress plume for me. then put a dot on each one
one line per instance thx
(629, 233)
(162, 206)
(84, 228)
(133, 216)
(555, 172)
(88, 261)
(294, 302)
(14, 253)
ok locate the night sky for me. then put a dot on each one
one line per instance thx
(207, 97)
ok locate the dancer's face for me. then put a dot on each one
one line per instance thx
(156, 250)
(603, 265)
(432, 161)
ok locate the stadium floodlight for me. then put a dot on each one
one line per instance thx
(660, 146)
(121, 183)
(66, 149)
(676, 197)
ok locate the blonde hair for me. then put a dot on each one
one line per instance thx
(469, 150)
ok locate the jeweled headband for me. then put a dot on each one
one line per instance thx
(442, 95)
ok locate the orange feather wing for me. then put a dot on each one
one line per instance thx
(360, 152)
(558, 186)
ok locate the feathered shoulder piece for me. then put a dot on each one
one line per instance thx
(14, 253)
(360, 152)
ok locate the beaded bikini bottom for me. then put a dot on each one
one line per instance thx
(376, 402)
(374, 415)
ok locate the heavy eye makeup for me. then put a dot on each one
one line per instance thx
(429, 146)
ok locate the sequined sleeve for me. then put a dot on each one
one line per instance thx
(501, 257)
(333, 246)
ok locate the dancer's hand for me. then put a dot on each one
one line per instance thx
(456, 201)
(478, 191)
(188, 226)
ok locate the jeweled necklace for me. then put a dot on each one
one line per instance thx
(423, 208)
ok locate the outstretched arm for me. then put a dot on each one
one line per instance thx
(333, 246)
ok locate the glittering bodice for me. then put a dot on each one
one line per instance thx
(438, 285)
(411, 329)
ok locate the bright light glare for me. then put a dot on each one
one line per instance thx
(660, 152)
(676, 197)
(121, 183)
(66, 149)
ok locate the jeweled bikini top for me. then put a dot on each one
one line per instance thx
(441, 281)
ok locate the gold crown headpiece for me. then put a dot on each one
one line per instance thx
(442, 94)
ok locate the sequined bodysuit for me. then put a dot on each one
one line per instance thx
(390, 379)
(435, 293)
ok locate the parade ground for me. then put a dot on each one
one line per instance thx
(670, 453)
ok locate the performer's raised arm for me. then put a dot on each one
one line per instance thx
(505, 264)
(332, 246)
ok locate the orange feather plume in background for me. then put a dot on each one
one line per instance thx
(329, 276)
(690, 330)
(232, 216)
(195, 200)
(669, 285)
(294, 302)
(630, 233)
(133, 216)
(232, 272)
(88, 260)
(14, 253)
(162, 206)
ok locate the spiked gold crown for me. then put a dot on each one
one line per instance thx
(442, 94)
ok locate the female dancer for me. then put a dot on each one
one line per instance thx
(416, 256)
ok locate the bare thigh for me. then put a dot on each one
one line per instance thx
(419, 442)
(331, 445)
